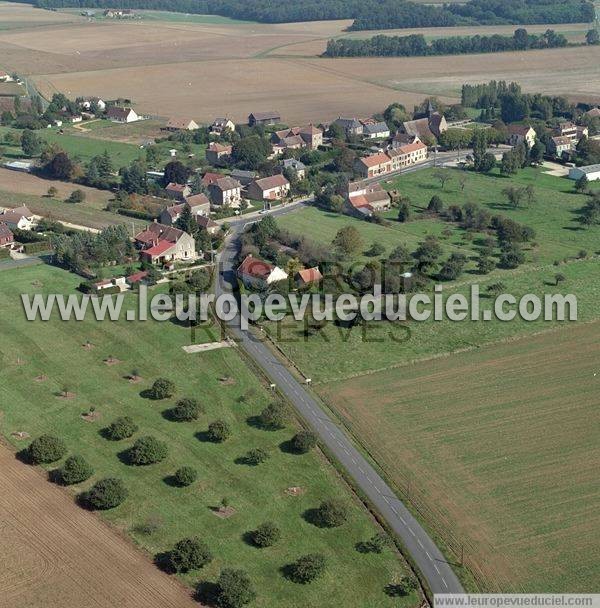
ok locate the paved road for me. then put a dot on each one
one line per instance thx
(425, 554)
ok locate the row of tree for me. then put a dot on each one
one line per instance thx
(416, 45)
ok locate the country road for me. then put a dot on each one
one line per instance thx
(430, 561)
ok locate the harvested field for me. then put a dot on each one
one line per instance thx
(498, 450)
(16, 16)
(56, 554)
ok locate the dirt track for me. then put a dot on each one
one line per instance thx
(55, 554)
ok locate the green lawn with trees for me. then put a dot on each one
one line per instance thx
(78, 381)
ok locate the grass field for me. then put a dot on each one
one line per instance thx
(258, 493)
(498, 450)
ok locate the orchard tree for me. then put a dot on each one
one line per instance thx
(105, 494)
(185, 476)
(274, 416)
(45, 449)
(266, 535)
(186, 410)
(75, 470)
(121, 428)
(307, 568)
(304, 441)
(348, 240)
(162, 388)
(147, 450)
(331, 514)
(234, 589)
(189, 554)
(219, 431)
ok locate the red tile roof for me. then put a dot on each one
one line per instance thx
(253, 267)
(375, 160)
(136, 277)
(310, 275)
(274, 181)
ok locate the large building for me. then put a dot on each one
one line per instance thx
(390, 161)
(592, 172)
(161, 244)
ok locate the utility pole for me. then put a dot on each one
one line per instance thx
(435, 155)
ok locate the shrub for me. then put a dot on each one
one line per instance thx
(218, 431)
(265, 535)
(234, 589)
(45, 449)
(185, 476)
(162, 388)
(75, 470)
(256, 456)
(331, 514)
(147, 450)
(307, 568)
(304, 441)
(121, 428)
(404, 587)
(77, 196)
(105, 494)
(376, 544)
(274, 416)
(435, 204)
(186, 410)
(189, 554)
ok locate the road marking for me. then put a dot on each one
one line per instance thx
(420, 544)
(436, 568)
(411, 531)
(445, 583)
(429, 556)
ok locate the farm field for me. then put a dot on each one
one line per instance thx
(56, 554)
(497, 450)
(227, 390)
(252, 67)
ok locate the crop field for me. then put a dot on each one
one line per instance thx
(33, 371)
(497, 449)
(253, 67)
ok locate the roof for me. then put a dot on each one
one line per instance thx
(221, 122)
(242, 173)
(180, 123)
(378, 127)
(590, 169)
(206, 222)
(159, 232)
(259, 269)
(292, 140)
(217, 147)
(117, 112)
(175, 210)
(310, 130)
(594, 112)
(136, 277)
(348, 123)
(227, 183)
(375, 160)
(274, 181)
(292, 163)
(562, 140)
(210, 178)
(197, 200)
(519, 129)
(159, 248)
(14, 215)
(5, 231)
(418, 127)
(179, 188)
(408, 148)
(270, 115)
(310, 275)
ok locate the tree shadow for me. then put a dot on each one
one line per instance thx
(162, 561)
(249, 539)
(287, 447)
(148, 394)
(23, 456)
(171, 481)
(205, 437)
(312, 517)
(207, 593)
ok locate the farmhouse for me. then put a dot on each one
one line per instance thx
(363, 198)
(351, 126)
(297, 167)
(18, 218)
(122, 115)
(207, 224)
(308, 276)
(259, 274)
(297, 137)
(6, 236)
(197, 204)
(216, 151)
(559, 145)
(392, 160)
(271, 188)
(160, 244)
(182, 124)
(401, 139)
(244, 177)
(88, 102)
(178, 191)
(593, 113)
(376, 130)
(222, 125)
(4, 77)
(592, 172)
(226, 192)
(518, 134)
(264, 118)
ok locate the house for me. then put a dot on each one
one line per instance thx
(518, 134)
(572, 131)
(226, 192)
(198, 204)
(207, 224)
(178, 191)
(24, 166)
(376, 130)
(401, 139)
(373, 165)
(75, 119)
(362, 198)
(592, 172)
(182, 124)
(88, 102)
(593, 113)
(559, 145)
(211, 178)
(244, 177)
(264, 118)
(122, 115)
(271, 188)
(312, 136)
(120, 282)
(392, 160)
(308, 276)
(259, 274)
(6, 236)
(408, 154)
(216, 151)
(18, 218)
(136, 278)
(291, 164)
(160, 244)
(222, 125)
(351, 126)
(297, 137)
(4, 77)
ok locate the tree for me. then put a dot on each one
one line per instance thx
(512, 256)
(435, 204)
(266, 535)
(348, 240)
(443, 176)
(162, 389)
(176, 172)
(485, 264)
(185, 476)
(592, 37)
(274, 416)
(75, 470)
(514, 195)
(121, 428)
(189, 554)
(376, 544)
(487, 163)
(186, 410)
(404, 211)
(331, 514)
(218, 431)
(453, 268)
(406, 585)
(105, 494)
(133, 178)
(251, 152)
(559, 278)
(375, 250)
(147, 450)
(582, 184)
(307, 568)
(427, 254)
(234, 589)
(45, 449)
(530, 194)
(304, 441)
(77, 196)
(256, 456)
(52, 192)
(30, 143)
(536, 154)
(60, 167)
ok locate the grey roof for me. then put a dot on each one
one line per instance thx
(292, 163)
(590, 169)
(348, 123)
(378, 127)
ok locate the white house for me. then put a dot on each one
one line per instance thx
(18, 218)
(124, 115)
(592, 172)
(270, 188)
(182, 124)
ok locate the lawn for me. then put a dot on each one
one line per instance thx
(497, 449)
(227, 389)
